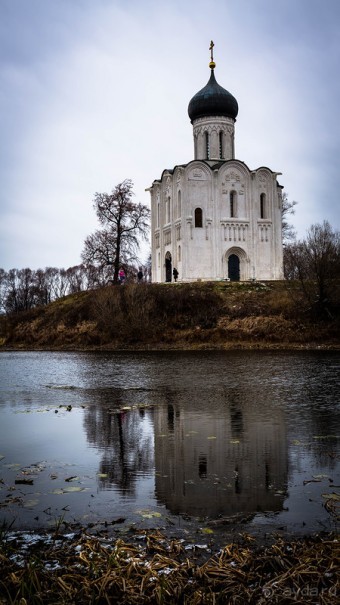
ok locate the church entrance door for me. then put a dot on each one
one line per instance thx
(234, 267)
(168, 267)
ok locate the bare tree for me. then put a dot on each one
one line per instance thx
(287, 209)
(76, 278)
(315, 262)
(123, 223)
(60, 284)
(41, 287)
(94, 277)
(3, 281)
(19, 290)
(99, 250)
(52, 283)
(24, 289)
(323, 255)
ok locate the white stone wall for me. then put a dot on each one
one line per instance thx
(250, 231)
(203, 252)
(220, 131)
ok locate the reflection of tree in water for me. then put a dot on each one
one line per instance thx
(126, 439)
(324, 437)
(319, 422)
(236, 420)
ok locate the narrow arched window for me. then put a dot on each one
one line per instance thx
(179, 258)
(221, 144)
(198, 217)
(232, 200)
(207, 145)
(168, 210)
(179, 204)
(263, 205)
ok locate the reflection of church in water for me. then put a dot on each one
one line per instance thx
(212, 464)
(214, 218)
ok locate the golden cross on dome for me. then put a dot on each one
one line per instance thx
(212, 64)
(211, 48)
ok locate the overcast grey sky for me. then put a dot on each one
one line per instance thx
(96, 91)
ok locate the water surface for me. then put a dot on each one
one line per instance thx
(167, 437)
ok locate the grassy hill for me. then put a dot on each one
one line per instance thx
(184, 316)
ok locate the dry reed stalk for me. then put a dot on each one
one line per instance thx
(98, 571)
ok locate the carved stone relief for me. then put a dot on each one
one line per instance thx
(263, 180)
(179, 175)
(197, 175)
(233, 176)
(167, 185)
(235, 232)
(233, 182)
(189, 224)
(264, 233)
(207, 227)
(167, 237)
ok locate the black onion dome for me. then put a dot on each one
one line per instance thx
(212, 100)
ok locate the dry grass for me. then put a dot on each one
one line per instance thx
(213, 315)
(156, 570)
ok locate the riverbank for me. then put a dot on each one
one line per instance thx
(79, 567)
(219, 315)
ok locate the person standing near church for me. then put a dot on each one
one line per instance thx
(121, 276)
(175, 274)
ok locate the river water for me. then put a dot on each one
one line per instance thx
(168, 438)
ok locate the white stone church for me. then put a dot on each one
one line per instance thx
(214, 218)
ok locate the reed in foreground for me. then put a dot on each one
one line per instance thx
(152, 569)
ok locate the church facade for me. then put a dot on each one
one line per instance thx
(214, 218)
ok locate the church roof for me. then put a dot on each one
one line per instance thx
(212, 100)
(212, 166)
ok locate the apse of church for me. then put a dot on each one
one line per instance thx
(214, 218)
